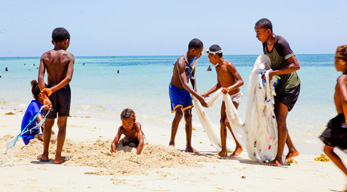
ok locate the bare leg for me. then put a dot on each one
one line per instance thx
(292, 150)
(189, 130)
(62, 121)
(223, 136)
(336, 159)
(329, 151)
(281, 112)
(223, 133)
(46, 138)
(238, 150)
(174, 126)
(53, 139)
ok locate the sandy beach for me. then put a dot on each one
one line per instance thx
(158, 168)
(125, 54)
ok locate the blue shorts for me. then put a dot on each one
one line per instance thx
(179, 98)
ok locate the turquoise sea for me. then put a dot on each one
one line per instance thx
(142, 84)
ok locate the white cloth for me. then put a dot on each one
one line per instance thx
(260, 122)
(213, 131)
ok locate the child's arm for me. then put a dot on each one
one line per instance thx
(193, 81)
(41, 83)
(183, 78)
(66, 80)
(39, 119)
(213, 89)
(292, 67)
(116, 139)
(342, 86)
(239, 82)
(139, 138)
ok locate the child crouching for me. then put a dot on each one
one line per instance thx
(131, 129)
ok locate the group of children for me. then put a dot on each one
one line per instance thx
(283, 63)
(57, 96)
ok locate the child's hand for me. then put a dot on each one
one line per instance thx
(225, 90)
(203, 103)
(270, 76)
(47, 91)
(114, 146)
(48, 102)
(204, 95)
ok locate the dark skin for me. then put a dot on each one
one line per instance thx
(340, 99)
(131, 129)
(180, 79)
(231, 81)
(59, 65)
(39, 117)
(281, 110)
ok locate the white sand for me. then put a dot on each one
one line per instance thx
(158, 168)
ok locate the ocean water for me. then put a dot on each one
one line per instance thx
(142, 84)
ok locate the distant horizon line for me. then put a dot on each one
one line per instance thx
(159, 55)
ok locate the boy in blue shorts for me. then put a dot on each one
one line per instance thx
(285, 65)
(179, 90)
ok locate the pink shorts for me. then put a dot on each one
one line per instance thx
(237, 97)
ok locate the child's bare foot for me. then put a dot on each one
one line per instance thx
(191, 150)
(41, 158)
(39, 137)
(221, 154)
(237, 152)
(62, 159)
(172, 144)
(290, 155)
(275, 163)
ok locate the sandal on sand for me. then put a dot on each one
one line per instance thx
(64, 158)
(42, 160)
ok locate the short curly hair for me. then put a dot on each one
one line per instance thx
(60, 34)
(264, 23)
(341, 52)
(128, 113)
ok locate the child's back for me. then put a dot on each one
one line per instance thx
(56, 62)
(59, 64)
(31, 111)
(28, 121)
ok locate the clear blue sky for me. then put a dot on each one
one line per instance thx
(162, 27)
